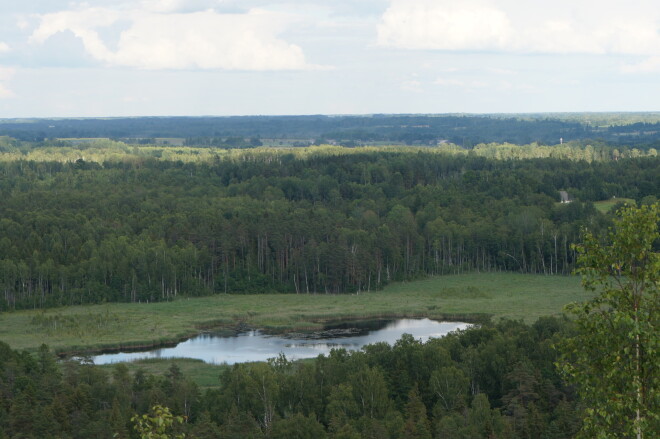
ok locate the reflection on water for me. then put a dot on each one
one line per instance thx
(256, 346)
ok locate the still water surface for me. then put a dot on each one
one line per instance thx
(257, 346)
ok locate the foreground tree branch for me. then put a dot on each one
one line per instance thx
(614, 357)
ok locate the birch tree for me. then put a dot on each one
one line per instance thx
(614, 356)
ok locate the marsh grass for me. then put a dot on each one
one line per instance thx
(81, 326)
(468, 292)
(467, 297)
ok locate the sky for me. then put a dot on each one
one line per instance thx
(108, 58)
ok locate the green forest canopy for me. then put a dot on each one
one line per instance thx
(109, 221)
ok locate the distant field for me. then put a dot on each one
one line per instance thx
(93, 327)
(607, 205)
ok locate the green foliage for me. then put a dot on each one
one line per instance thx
(298, 426)
(614, 357)
(158, 424)
(417, 423)
(499, 378)
(83, 228)
(204, 375)
(449, 385)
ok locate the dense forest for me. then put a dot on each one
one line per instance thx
(638, 130)
(492, 381)
(146, 225)
(495, 381)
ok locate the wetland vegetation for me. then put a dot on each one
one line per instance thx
(468, 297)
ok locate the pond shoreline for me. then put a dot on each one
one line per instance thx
(255, 345)
(242, 326)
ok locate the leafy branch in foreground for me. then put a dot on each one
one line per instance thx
(158, 424)
(614, 357)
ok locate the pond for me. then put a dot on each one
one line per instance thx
(257, 346)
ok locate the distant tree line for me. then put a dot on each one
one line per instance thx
(107, 150)
(463, 130)
(495, 381)
(317, 221)
(224, 142)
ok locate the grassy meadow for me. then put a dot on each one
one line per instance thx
(457, 297)
(606, 206)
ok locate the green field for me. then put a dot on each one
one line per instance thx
(606, 205)
(467, 296)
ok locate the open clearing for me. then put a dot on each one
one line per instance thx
(606, 205)
(457, 297)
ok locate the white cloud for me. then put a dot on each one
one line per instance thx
(500, 71)
(6, 73)
(83, 24)
(517, 86)
(565, 27)
(443, 25)
(134, 99)
(452, 82)
(169, 6)
(22, 23)
(413, 85)
(154, 39)
(649, 65)
(5, 93)
(448, 82)
(478, 85)
(4, 47)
